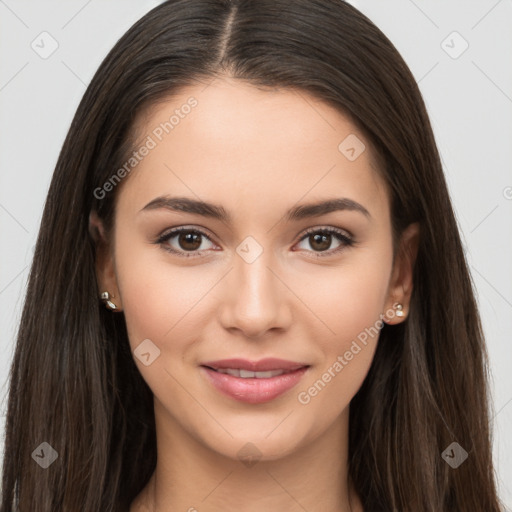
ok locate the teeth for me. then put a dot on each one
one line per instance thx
(246, 374)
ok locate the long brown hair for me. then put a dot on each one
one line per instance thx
(73, 381)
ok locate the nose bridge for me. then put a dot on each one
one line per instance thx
(254, 279)
(257, 299)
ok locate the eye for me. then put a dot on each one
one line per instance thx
(320, 239)
(188, 241)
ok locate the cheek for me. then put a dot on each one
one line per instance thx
(162, 303)
(351, 299)
(350, 306)
(158, 301)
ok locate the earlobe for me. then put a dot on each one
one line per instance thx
(107, 300)
(401, 283)
(104, 264)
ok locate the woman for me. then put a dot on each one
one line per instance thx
(249, 288)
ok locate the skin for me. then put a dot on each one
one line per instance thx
(257, 153)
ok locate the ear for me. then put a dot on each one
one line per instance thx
(401, 282)
(104, 260)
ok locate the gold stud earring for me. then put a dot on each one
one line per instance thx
(399, 309)
(105, 297)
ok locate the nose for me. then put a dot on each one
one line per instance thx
(256, 299)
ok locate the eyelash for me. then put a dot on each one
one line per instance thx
(347, 241)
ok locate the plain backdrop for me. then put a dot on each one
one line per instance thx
(459, 52)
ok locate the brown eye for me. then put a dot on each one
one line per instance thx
(320, 241)
(189, 241)
(182, 240)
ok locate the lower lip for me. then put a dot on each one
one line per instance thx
(253, 391)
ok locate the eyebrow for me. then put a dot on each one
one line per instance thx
(188, 205)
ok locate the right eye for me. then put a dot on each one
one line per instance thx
(187, 244)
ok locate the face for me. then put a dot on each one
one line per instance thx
(272, 277)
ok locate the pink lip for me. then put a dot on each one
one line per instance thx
(270, 363)
(254, 390)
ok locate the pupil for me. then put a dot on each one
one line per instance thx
(323, 240)
(188, 238)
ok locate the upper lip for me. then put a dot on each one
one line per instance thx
(270, 363)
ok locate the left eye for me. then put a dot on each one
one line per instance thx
(190, 241)
(322, 238)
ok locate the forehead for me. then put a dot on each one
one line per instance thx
(233, 143)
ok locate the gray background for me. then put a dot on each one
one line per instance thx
(468, 94)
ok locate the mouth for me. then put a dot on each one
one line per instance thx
(253, 382)
(247, 374)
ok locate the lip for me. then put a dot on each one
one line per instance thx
(269, 363)
(254, 390)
